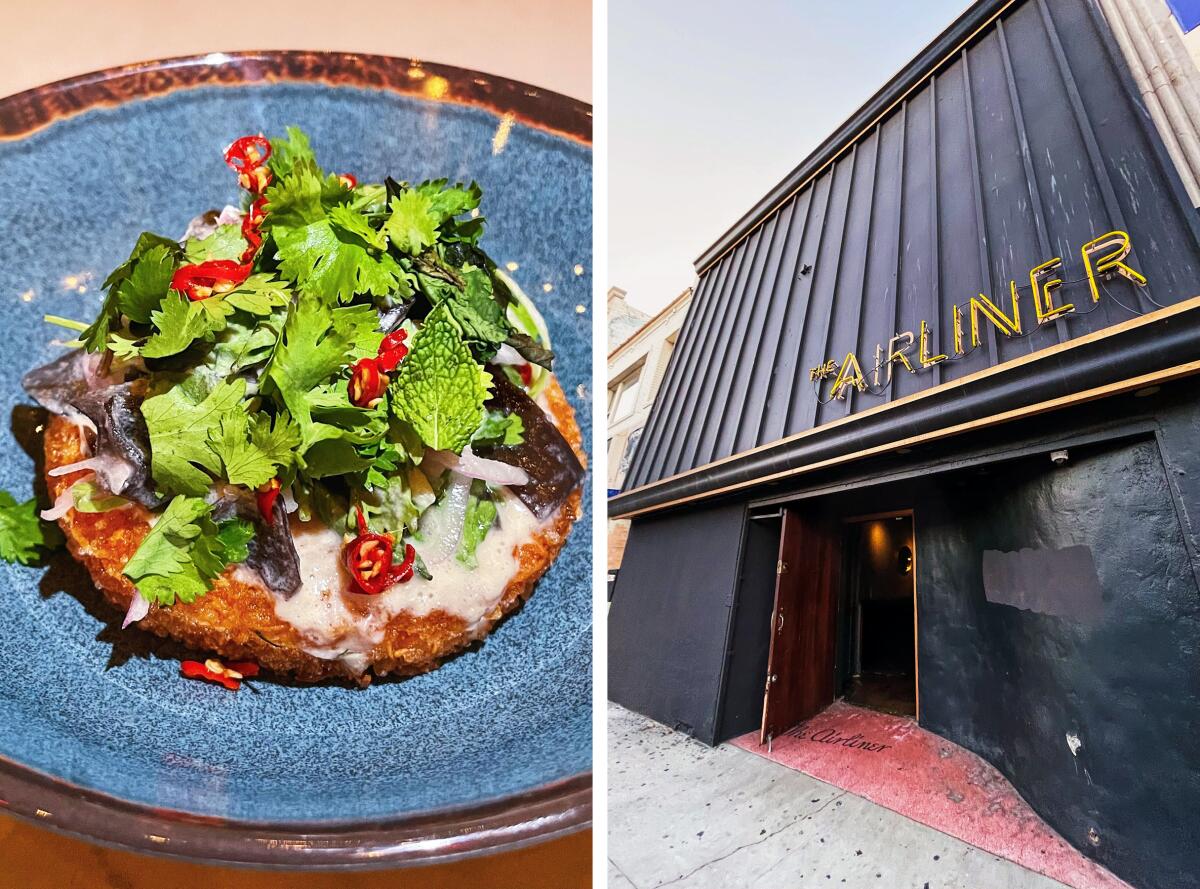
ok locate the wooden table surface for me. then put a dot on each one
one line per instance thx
(542, 42)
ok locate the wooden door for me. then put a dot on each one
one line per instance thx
(800, 666)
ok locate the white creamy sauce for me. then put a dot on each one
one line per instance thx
(320, 610)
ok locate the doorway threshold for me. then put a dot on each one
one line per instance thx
(893, 762)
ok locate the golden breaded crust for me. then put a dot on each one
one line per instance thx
(236, 620)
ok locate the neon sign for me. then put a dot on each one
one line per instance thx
(1103, 257)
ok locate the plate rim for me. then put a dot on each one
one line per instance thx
(437, 835)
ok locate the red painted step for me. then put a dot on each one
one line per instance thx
(892, 761)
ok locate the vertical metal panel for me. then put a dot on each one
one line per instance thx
(848, 296)
(753, 407)
(814, 340)
(733, 377)
(667, 404)
(730, 359)
(780, 389)
(1020, 146)
(719, 342)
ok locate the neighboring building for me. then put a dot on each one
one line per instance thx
(623, 319)
(635, 371)
(929, 434)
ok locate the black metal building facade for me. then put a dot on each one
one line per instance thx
(1016, 139)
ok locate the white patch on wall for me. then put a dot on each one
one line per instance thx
(1074, 743)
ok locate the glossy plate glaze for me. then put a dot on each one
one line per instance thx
(99, 735)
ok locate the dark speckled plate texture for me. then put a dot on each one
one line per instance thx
(491, 750)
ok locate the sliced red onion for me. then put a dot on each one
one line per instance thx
(63, 504)
(289, 502)
(230, 215)
(442, 526)
(114, 473)
(139, 607)
(491, 470)
(506, 354)
(93, 463)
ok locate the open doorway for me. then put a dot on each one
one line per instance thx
(879, 614)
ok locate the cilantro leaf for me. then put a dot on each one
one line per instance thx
(242, 461)
(291, 152)
(440, 390)
(333, 263)
(446, 203)
(295, 200)
(180, 322)
(278, 438)
(317, 342)
(481, 516)
(259, 294)
(186, 551)
(356, 223)
(225, 242)
(22, 532)
(147, 284)
(179, 435)
(95, 338)
(412, 225)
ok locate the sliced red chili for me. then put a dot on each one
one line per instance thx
(403, 572)
(197, 670)
(368, 558)
(369, 561)
(255, 180)
(348, 179)
(526, 372)
(267, 494)
(248, 669)
(367, 383)
(392, 351)
(248, 152)
(201, 281)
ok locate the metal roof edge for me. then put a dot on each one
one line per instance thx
(927, 61)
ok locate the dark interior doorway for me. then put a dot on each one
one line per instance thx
(879, 614)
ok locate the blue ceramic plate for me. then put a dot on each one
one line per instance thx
(100, 737)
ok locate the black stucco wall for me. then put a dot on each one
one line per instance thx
(1007, 683)
(1013, 684)
(670, 614)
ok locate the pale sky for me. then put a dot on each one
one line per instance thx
(712, 103)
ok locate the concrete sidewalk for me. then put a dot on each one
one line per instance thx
(685, 815)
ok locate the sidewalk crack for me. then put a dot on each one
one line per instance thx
(756, 842)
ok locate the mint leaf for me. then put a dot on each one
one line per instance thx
(186, 551)
(22, 532)
(440, 390)
(179, 435)
(412, 225)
